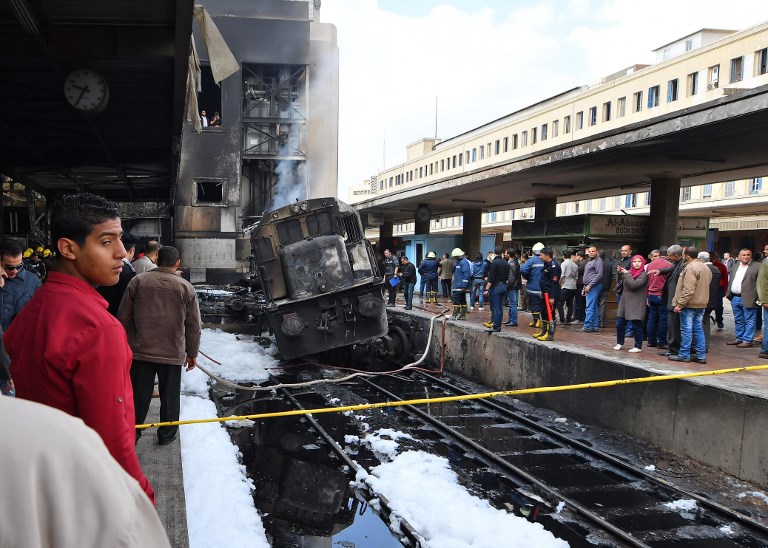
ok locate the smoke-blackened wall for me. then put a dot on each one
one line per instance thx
(228, 175)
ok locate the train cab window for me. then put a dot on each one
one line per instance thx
(289, 232)
(209, 192)
(319, 223)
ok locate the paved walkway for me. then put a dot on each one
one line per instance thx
(720, 356)
(162, 466)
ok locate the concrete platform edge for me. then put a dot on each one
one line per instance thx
(698, 418)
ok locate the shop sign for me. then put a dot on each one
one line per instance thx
(617, 225)
(692, 227)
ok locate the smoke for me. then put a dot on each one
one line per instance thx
(291, 185)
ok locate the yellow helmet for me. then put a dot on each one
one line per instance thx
(46, 253)
(39, 249)
(457, 252)
(27, 254)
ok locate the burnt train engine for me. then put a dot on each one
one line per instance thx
(321, 282)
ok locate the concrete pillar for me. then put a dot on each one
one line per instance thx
(422, 220)
(386, 230)
(665, 205)
(499, 239)
(546, 209)
(472, 231)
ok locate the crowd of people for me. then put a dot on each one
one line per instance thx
(670, 299)
(87, 338)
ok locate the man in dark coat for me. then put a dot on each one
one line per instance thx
(407, 273)
(496, 287)
(514, 284)
(113, 294)
(714, 287)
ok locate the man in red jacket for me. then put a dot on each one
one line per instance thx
(66, 350)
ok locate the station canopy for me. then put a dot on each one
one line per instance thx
(123, 144)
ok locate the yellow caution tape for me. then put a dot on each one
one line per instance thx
(484, 395)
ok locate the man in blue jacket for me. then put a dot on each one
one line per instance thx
(20, 284)
(531, 271)
(428, 272)
(550, 292)
(461, 278)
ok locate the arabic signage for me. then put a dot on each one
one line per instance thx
(692, 227)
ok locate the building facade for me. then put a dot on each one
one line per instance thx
(697, 68)
(275, 139)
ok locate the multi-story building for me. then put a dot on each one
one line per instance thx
(695, 69)
(276, 136)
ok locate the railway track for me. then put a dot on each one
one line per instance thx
(523, 466)
(628, 504)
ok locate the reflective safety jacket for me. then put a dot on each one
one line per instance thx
(531, 271)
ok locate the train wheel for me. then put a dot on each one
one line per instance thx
(402, 345)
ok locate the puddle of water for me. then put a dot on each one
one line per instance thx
(301, 489)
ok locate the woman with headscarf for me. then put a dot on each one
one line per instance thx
(633, 302)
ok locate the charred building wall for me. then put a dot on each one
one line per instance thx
(278, 135)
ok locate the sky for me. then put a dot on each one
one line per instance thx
(220, 507)
(480, 60)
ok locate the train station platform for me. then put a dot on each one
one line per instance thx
(717, 420)
(162, 466)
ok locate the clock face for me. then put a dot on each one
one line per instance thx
(423, 214)
(86, 91)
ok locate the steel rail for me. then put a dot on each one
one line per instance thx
(407, 528)
(519, 473)
(716, 507)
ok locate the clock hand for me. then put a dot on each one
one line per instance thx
(83, 91)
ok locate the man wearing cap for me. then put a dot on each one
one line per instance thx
(531, 272)
(462, 275)
(19, 286)
(550, 292)
(428, 272)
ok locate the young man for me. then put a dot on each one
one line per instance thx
(160, 314)
(66, 350)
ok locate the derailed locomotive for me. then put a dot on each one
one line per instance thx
(321, 281)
